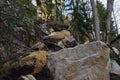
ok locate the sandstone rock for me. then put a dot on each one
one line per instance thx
(40, 57)
(30, 64)
(59, 35)
(83, 62)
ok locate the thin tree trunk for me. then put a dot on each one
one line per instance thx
(108, 19)
(96, 19)
(115, 22)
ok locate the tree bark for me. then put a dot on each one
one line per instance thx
(95, 19)
(115, 23)
(108, 18)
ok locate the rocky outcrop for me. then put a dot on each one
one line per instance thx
(16, 27)
(83, 62)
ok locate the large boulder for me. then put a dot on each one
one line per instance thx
(83, 62)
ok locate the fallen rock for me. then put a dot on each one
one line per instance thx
(23, 78)
(40, 57)
(115, 67)
(58, 35)
(83, 62)
(51, 44)
(30, 64)
(68, 42)
(38, 46)
(27, 77)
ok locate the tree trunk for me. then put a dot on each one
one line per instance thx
(108, 18)
(96, 19)
(115, 23)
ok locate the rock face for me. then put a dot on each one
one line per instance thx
(83, 62)
(16, 25)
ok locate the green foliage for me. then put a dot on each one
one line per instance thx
(102, 16)
(23, 2)
(45, 8)
(51, 9)
(76, 14)
(80, 22)
(58, 10)
(27, 12)
(113, 31)
(26, 17)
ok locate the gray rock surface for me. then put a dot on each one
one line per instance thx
(27, 77)
(83, 62)
(115, 67)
